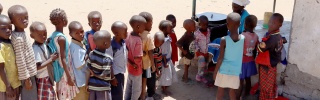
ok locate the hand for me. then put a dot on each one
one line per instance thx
(91, 73)
(114, 82)
(262, 45)
(166, 66)
(153, 69)
(54, 56)
(135, 66)
(70, 82)
(86, 57)
(28, 84)
(9, 92)
(87, 88)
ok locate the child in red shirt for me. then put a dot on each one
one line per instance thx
(172, 35)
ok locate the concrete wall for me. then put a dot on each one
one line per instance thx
(302, 75)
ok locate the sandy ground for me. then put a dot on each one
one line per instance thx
(122, 10)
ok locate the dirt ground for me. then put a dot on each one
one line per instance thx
(122, 10)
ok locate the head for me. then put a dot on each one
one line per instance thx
(119, 30)
(239, 5)
(38, 32)
(95, 20)
(102, 39)
(189, 25)
(172, 19)
(76, 30)
(149, 19)
(5, 27)
(1, 8)
(58, 18)
(138, 23)
(18, 16)
(158, 39)
(275, 22)
(250, 22)
(233, 21)
(203, 23)
(166, 27)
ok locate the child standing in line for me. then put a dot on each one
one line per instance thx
(77, 58)
(63, 73)
(25, 59)
(148, 75)
(168, 75)
(157, 52)
(43, 60)
(202, 40)
(119, 30)
(95, 22)
(173, 36)
(9, 82)
(100, 67)
(135, 53)
(184, 44)
(228, 67)
(271, 45)
(249, 51)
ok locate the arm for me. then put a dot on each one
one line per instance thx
(52, 58)
(150, 53)
(20, 59)
(179, 45)
(9, 90)
(266, 45)
(221, 56)
(61, 42)
(91, 42)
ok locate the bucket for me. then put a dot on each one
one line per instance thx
(266, 19)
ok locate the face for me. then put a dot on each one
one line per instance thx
(237, 8)
(5, 29)
(20, 20)
(274, 24)
(203, 24)
(39, 34)
(123, 33)
(173, 21)
(149, 25)
(168, 30)
(140, 27)
(95, 23)
(192, 27)
(78, 34)
(106, 43)
(157, 42)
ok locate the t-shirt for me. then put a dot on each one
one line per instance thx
(147, 45)
(274, 45)
(100, 64)
(174, 46)
(250, 43)
(157, 55)
(184, 42)
(134, 45)
(7, 57)
(202, 39)
(41, 55)
(120, 54)
(77, 55)
(25, 58)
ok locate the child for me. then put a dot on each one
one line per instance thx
(238, 7)
(168, 75)
(272, 44)
(119, 30)
(173, 36)
(43, 59)
(228, 67)
(9, 82)
(157, 52)
(149, 75)
(99, 64)
(95, 22)
(184, 43)
(249, 51)
(135, 53)
(77, 58)
(25, 58)
(63, 74)
(202, 39)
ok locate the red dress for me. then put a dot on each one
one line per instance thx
(174, 56)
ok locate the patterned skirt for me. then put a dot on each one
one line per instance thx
(45, 89)
(268, 85)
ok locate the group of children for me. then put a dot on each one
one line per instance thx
(93, 64)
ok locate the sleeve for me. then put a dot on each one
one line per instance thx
(270, 43)
(1, 58)
(37, 55)
(20, 59)
(196, 42)
(138, 49)
(77, 59)
(91, 42)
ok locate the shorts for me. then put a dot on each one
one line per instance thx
(146, 73)
(186, 61)
(227, 81)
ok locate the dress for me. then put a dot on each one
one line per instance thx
(169, 75)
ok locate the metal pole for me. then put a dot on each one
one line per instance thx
(194, 9)
(274, 5)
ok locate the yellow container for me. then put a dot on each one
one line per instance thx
(266, 19)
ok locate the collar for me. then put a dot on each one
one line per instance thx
(115, 44)
(167, 39)
(77, 43)
(5, 40)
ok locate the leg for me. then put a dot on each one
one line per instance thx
(232, 94)
(129, 87)
(143, 89)
(117, 91)
(201, 64)
(239, 91)
(220, 93)
(185, 74)
(151, 84)
(248, 86)
(136, 87)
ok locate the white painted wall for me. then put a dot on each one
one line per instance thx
(304, 49)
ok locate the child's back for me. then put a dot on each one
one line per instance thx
(134, 44)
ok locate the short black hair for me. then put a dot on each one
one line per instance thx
(170, 16)
(251, 21)
(279, 16)
(164, 24)
(15, 9)
(203, 18)
(136, 19)
(35, 25)
(74, 25)
(147, 16)
(92, 13)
